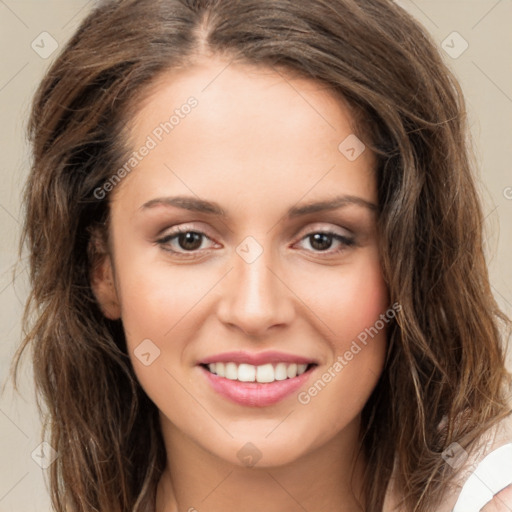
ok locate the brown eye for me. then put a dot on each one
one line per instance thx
(189, 240)
(322, 241)
(182, 241)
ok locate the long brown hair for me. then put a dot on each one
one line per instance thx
(445, 360)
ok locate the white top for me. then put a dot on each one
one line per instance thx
(480, 475)
(491, 475)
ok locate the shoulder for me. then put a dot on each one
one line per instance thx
(501, 502)
(483, 479)
(486, 481)
(489, 485)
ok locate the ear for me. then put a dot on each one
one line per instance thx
(101, 276)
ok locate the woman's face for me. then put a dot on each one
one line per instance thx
(268, 281)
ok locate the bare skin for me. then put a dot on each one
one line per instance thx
(502, 501)
(258, 143)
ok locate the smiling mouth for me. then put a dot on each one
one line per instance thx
(265, 373)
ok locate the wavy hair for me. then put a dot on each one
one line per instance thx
(445, 360)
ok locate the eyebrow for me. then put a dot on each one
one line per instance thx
(195, 204)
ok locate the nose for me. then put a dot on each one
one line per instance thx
(255, 297)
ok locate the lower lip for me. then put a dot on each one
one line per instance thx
(256, 394)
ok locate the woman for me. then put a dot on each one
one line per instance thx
(257, 266)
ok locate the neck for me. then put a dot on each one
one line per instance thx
(325, 478)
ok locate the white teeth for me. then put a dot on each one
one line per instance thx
(301, 368)
(281, 371)
(219, 369)
(291, 371)
(246, 373)
(231, 371)
(263, 373)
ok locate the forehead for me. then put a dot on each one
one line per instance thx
(244, 94)
(252, 128)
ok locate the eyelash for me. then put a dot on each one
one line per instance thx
(164, 241)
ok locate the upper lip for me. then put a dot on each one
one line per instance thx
(257, 359)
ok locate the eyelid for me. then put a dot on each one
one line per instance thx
(324, 227)
(345, 239)
(184, 228)
(309, 229)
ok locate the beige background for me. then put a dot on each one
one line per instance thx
(484, 70)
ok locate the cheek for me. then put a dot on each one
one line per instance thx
(363, 299)
(362, 326)
(157, 309)
(346, 300)
(155, 296)
(353, 308)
